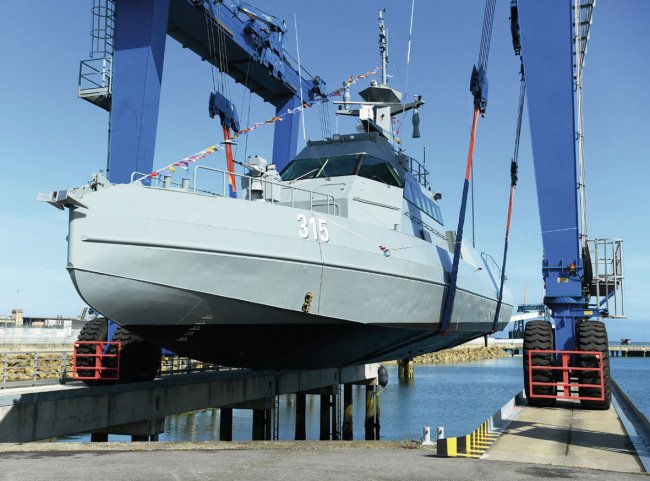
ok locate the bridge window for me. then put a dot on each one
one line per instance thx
(413, 193)
(380, 170)
(336, 166)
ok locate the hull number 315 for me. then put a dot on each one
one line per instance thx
(313, 227)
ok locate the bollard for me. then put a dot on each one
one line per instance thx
(440, 432)
(426, 436)
(64, 368)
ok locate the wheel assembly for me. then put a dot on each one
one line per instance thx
(592, 336)
(539, 335)
(139, 359)
(94, 330)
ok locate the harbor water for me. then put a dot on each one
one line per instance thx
(456, 396)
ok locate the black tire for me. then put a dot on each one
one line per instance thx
(539, 335)
(93, 330)
(139, 359)
(592, 336)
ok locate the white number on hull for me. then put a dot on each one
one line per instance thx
(317, 226)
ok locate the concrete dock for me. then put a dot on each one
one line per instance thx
(268, 461)
(535, 443)
(139, 409)
(567, 435)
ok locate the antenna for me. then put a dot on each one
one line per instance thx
(383, 46)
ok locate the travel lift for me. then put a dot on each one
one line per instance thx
(250, 48)
(569, 358)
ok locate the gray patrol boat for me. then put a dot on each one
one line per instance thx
(342, 258)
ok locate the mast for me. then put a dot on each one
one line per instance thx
(383, 47)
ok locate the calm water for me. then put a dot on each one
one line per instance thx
(456, 396)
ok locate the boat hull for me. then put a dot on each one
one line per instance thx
(226, 281)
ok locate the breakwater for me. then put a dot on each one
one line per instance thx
(459, 355)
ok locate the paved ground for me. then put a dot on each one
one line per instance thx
(567, 436)
(300, 461)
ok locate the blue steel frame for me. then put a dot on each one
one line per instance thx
(254, 47)
(547, 39)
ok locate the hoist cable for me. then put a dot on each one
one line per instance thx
(479, 109)
(486, 34)
(513, 186)
(453, 275)
(211, 55)
(302, 112)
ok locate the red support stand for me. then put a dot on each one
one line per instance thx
(567, 371)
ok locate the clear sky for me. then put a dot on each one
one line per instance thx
(49, 139)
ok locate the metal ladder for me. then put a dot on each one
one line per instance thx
(95, 73)
(607, 286)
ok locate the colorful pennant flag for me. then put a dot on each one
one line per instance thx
(184, 163)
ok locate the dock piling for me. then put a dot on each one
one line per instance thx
(405, 369)
(225, 424)
(259, 424)
(369, 423)
(325, 408)
(301, 408)
(99, 437)
(347, 413)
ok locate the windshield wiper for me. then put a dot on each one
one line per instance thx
(304, 175)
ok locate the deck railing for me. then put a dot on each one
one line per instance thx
(282, 193)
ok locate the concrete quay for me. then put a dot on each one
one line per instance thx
(567, 435)
(139, 409)
(268, 461)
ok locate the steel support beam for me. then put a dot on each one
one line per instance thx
(140, 33)
(548, 59)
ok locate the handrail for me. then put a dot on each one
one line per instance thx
(328, 199)
(488, 259)
(89, 72)
(418, 170)
(30, 368)
(325, 199)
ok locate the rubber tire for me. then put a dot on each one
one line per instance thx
(539, 335)
(139, 359)
(592, 336)
(93, 330)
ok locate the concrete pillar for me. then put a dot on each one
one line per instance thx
(336, 435)
(301, 407)
(377, 416)
(405, 369)
(259, 424)
(225, 424)
(369, 423)
(325, 406)
(98, 437)
(347, 413)
(268, 432)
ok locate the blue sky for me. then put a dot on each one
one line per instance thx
(51, 140)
